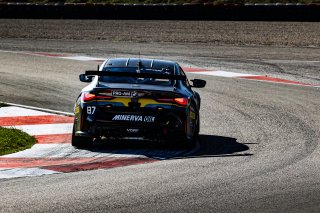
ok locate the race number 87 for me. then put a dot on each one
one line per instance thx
(91, 110)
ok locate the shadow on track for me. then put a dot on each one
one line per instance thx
(219, 146)
(210, 146)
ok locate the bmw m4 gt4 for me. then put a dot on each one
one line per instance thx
(140, 99)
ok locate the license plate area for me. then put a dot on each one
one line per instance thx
(123, 93)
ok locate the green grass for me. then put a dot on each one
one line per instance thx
(166, 1)
(14, 140)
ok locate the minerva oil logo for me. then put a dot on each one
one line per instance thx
(134, 118)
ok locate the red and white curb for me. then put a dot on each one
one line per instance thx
(53, 152)
(201, 71)
(229, 74)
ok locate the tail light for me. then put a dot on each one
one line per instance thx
(89, 97)
(179, 101)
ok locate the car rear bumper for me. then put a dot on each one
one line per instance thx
(148, 126)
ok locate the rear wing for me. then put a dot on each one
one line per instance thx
(134, 74)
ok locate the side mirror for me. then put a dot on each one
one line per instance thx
(85, 78)
(198, 83)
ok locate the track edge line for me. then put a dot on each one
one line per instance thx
(40, 109)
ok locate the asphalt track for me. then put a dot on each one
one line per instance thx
(258, 146)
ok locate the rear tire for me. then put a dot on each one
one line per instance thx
(191, 143)
(80, 142)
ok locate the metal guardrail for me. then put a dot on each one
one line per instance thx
(161, 4)
(186, 11)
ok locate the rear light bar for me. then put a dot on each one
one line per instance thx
(179, 101)
(89, 97)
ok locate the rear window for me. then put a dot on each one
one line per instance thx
(134, 80)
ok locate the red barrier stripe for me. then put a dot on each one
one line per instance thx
(39, 162)
(277, 80)
(190, 69)
(29, 120)
(71, 164)
(58, 138)
(110, 163)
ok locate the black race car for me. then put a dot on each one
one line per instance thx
(141, 99)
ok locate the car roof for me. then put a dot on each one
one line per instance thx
(146, 63)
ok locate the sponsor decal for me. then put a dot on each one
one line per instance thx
(134, 118)
(134, 94)
(132, 130)
(124, 93)
(77, 110)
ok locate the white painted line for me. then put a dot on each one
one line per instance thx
(40, 109)
(223, 74)
(83, 58)
(23, 172)
(12, 111)
(57, 151)
(68, 151)
(291, 61)
(45, 129)
(42, 150)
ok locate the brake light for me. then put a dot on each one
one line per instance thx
(179, 101)
(89, 97)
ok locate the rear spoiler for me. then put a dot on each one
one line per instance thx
(135, 74)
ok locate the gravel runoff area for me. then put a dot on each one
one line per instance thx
(209, 32)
